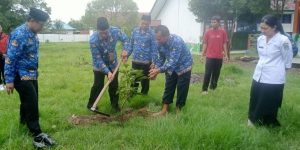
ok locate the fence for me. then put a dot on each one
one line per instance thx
(64, 37)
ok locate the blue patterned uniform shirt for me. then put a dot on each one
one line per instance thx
(104, 51)
(174, 56)
(142, 45)
(22, 55)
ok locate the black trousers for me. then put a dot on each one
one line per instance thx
(2, 62)
(212, 72)
(145, 83)
(265, 100)
(98, 85)
(29, 110)
(182, 83)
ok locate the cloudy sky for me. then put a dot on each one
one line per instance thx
(67, 9)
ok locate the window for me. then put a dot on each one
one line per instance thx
(287, 18)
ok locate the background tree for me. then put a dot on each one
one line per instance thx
(122, 13)
(57, 26)
(78, 24)
(14, 12)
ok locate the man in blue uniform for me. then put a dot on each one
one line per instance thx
(142, 45)
(175, 60)
(21, 73)
(103, 48)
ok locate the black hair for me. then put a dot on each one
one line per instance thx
(163, 30)
(37, 15)
(273, 22)
(102, 23)
(146, 17)
(217, 18)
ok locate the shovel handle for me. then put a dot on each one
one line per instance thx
(104, 88)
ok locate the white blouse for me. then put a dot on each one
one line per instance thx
(275, 57)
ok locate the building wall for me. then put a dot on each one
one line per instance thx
(63, 37)
(180, 20)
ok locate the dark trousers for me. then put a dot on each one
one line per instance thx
(2, 62)
(145, 83)
(182, 83)
(212, 72)
(97, 87)
(29, 110)
(265, 100)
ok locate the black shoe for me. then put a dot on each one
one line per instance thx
(43, 140)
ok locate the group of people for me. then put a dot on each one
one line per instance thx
(154, 51)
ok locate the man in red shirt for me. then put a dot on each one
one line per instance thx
(3, 48)
(214, 49)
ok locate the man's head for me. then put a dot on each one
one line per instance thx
(36, 19)
(215, 22)
(162, 34)
(102, 27)
(146, 21)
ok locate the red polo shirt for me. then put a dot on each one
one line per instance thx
(215, 40)
(3, 43)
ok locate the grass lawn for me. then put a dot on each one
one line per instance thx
(214, 121)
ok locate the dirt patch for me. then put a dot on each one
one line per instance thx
(196, 78)
(97, 118)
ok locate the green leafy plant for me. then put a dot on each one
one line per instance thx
(127, 78)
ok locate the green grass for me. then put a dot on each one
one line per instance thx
(214, 121)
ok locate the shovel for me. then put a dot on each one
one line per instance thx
(93, 108)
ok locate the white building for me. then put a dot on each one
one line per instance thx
(175, 14)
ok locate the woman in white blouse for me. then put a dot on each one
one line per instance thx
(275, 57)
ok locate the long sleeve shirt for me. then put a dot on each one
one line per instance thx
(174, 56)
(142, 45)
(104, 51)
(3, 43)
(275, 56)
(22, 55)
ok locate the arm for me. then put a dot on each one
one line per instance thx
(153, 47)
(225, 50)
(204, 46)
(159, 59)
(98, 62)
(125, 44)
(123, 38)
(174, 57)
(287, 53)
(130, 44)
(15, 47)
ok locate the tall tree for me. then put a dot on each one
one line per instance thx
(122, 13)
(57, 26)
(78, 24)
(14, 12)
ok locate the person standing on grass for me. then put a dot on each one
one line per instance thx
(21, 73)
(275, 57)
(143, 46)
(175, 60)
(3, 49)
(103, 49)
(214, 50)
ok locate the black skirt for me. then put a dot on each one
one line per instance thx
(265, 100)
